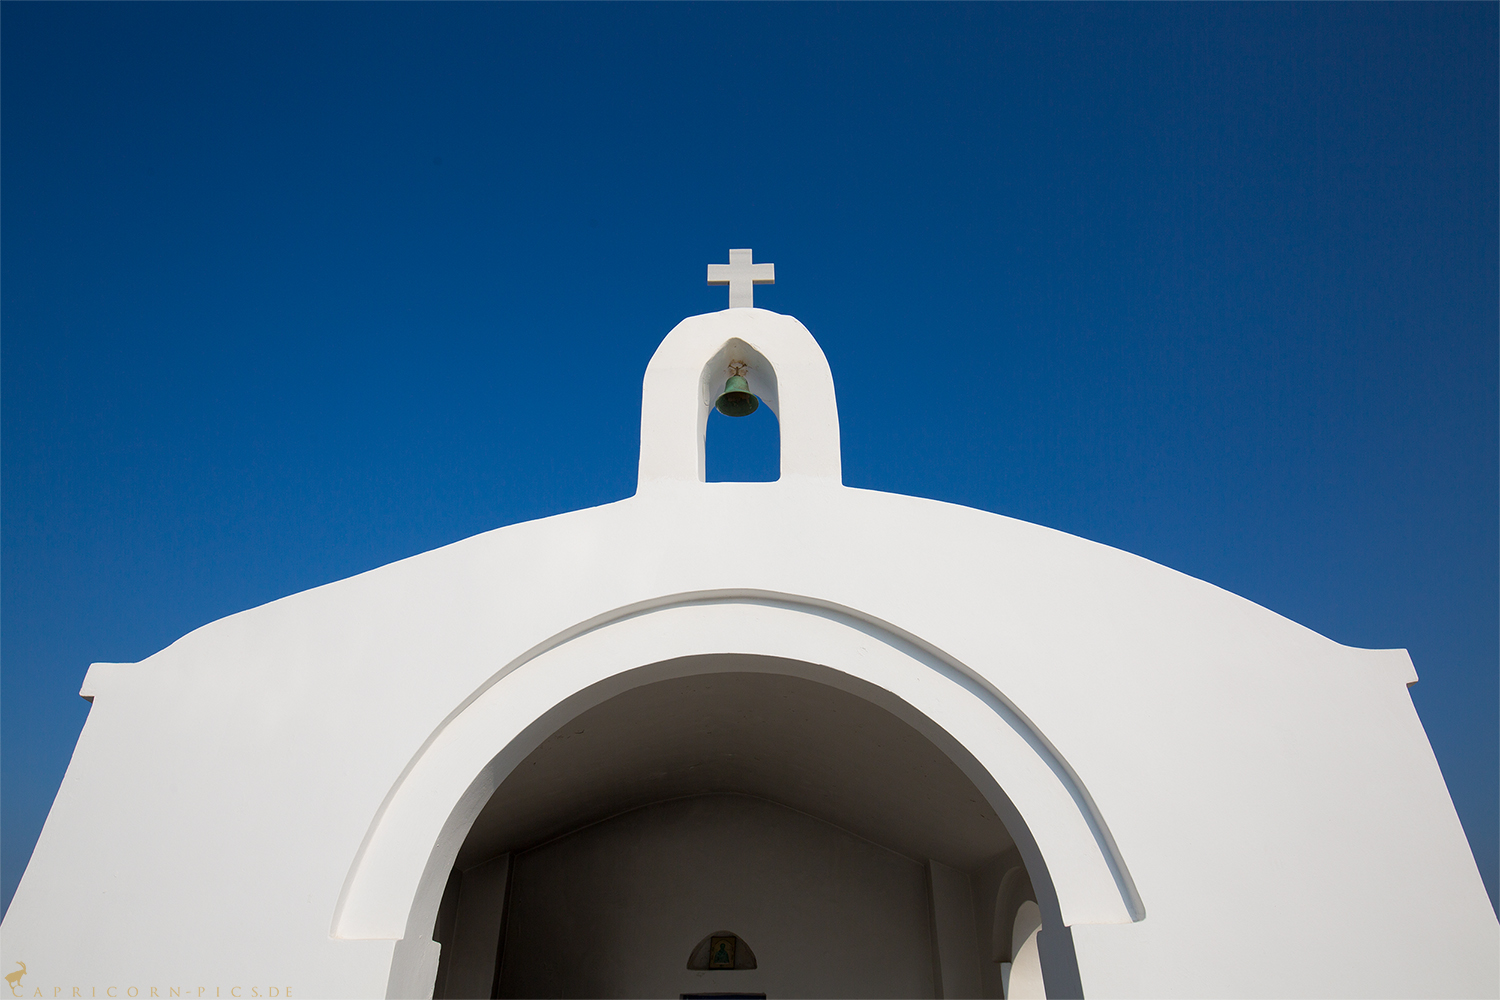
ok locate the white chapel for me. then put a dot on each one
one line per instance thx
(894, 748)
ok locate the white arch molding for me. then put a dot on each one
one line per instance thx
(395, 884)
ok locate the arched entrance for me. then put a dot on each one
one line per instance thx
(835, 840)
(395, 888)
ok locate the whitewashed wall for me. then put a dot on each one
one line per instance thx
(1223, 802)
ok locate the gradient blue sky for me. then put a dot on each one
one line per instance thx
(292, 291)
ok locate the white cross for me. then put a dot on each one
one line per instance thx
(741, 276)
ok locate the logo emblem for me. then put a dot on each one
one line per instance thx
(14, 979)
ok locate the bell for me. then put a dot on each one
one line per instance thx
(736, 400)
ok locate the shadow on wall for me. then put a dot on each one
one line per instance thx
(831, 914)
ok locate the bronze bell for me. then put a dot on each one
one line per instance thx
(736, 400)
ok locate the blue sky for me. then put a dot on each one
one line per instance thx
(292, 291)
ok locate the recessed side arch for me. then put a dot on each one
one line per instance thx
(394, 886)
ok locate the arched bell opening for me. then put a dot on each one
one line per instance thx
(739, 391)
(681, 389)
(857, 855)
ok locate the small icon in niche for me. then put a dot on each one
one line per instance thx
(721, 952)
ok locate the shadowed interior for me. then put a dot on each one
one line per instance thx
(794, 812)
(792, 741)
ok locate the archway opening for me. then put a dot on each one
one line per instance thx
(859, 859)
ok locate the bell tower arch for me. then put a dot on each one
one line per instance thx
(783, 365)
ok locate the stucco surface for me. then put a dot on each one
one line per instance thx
(1226, 803)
